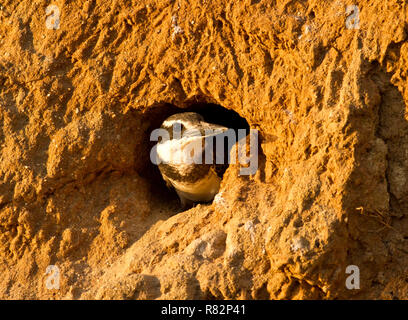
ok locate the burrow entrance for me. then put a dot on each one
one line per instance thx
(212, 113)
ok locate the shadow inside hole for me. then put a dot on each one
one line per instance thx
(212, 113)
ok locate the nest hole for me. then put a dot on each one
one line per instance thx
(212, 113)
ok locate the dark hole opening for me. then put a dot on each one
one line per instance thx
(212, 113)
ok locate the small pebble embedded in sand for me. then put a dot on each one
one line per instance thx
(176, 28)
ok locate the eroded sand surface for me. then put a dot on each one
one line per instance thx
(80, 94)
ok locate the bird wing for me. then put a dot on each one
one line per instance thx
(168, 183)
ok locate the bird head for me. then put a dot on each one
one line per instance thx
(187, 137)
(190, 125)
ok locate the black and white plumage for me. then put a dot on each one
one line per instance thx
(197, 181)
